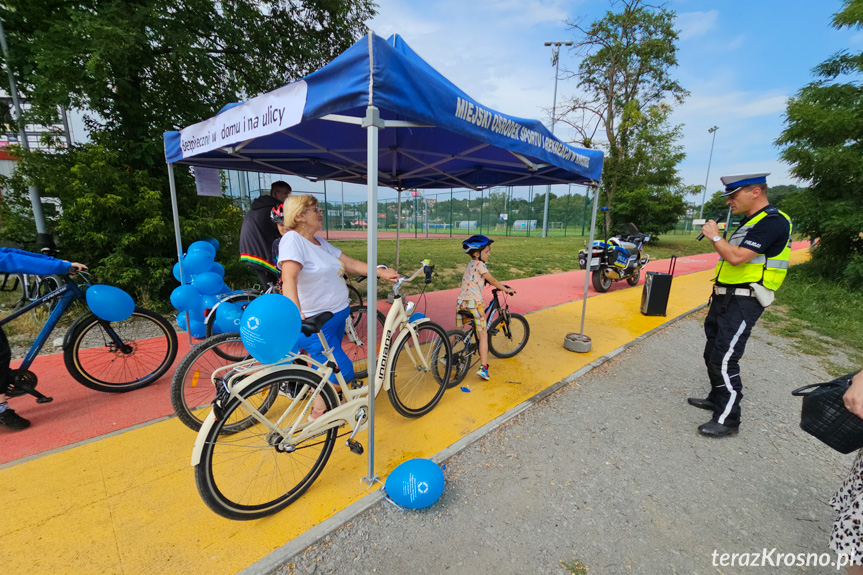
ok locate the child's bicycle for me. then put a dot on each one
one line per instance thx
(193, 388)
(102, 355)
(257, 451)
(507, 335)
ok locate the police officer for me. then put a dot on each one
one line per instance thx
(752, 265)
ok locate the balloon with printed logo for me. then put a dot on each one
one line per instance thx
(201, 246)
(415, 484)
(198, 329)
(218, 269)
(110, 303)
(187, 277)
(207, 283)
(269, 327)
(197, 262)
(228, 316)
(185, 297)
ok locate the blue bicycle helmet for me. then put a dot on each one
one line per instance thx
(475, 243)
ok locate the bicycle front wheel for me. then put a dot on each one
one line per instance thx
(510, 333)
(253, 473)
(461, 357)
(355, 341)
(192, 389)
(420, 370)
(147, 348)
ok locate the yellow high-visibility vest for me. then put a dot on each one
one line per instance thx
(770, 272)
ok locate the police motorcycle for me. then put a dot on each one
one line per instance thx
(619, 257)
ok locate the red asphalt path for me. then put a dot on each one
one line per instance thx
(78, 413)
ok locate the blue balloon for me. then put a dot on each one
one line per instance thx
(198, 329)
(208, 283)
(212, 241)
(186, 275)
(110, 303)
(269, 327)
(208, 302)
(205, 247)
(218, 269)
(228, 316)
(185, 298)
(197, 262)
(415, 484)
(181, 320)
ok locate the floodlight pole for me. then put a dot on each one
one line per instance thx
(707, 178)
(555, 59)
(44, 240)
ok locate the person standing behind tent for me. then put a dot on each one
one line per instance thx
(313, 278)
(259, 232)
(752, 265)
(14, 261)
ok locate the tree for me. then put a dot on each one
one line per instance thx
(140, 68)
(822, 142)
(625, 77)
(145, 66)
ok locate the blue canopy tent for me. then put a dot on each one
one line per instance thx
(379, 114)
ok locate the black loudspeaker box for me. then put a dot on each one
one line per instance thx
(657, 287)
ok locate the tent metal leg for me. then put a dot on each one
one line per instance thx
(589, 251)
(177, 236)
(372, 122)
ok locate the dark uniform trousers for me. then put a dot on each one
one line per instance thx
(727, 327)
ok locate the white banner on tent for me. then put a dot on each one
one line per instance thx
(260, 116)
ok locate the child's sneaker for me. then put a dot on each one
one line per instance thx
(12, 420)
(483, 372)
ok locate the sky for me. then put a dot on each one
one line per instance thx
(740, 61)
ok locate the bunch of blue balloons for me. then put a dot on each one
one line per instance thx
(201, 288)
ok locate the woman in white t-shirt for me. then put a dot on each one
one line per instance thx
(313, 278)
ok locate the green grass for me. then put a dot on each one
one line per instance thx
(511, 257)
(821, 317)
(575, 567)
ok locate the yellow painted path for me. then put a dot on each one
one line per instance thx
(127, 504)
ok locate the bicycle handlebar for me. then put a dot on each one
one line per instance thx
(426, 267)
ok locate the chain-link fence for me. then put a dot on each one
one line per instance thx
(505, 211)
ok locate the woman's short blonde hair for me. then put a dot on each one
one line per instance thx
(295, 205)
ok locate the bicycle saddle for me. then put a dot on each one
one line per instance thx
(314, 324)
(466, 314)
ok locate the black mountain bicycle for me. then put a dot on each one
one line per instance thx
(508, 333)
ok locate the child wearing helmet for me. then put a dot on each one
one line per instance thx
(470, 297)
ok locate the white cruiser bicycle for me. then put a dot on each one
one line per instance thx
(258, 451)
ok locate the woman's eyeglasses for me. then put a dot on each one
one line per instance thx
(317, 209)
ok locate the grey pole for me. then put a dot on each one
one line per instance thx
(65, 117)
(35, 198)
(555, 59)
(707, 178)
(589, 255)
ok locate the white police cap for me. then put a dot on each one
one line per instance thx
(734, 183)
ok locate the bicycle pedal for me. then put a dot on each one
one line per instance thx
(355, 446)
(493, 331)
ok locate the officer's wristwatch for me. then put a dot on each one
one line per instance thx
(715, 239)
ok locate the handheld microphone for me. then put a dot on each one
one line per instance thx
(717, 218)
